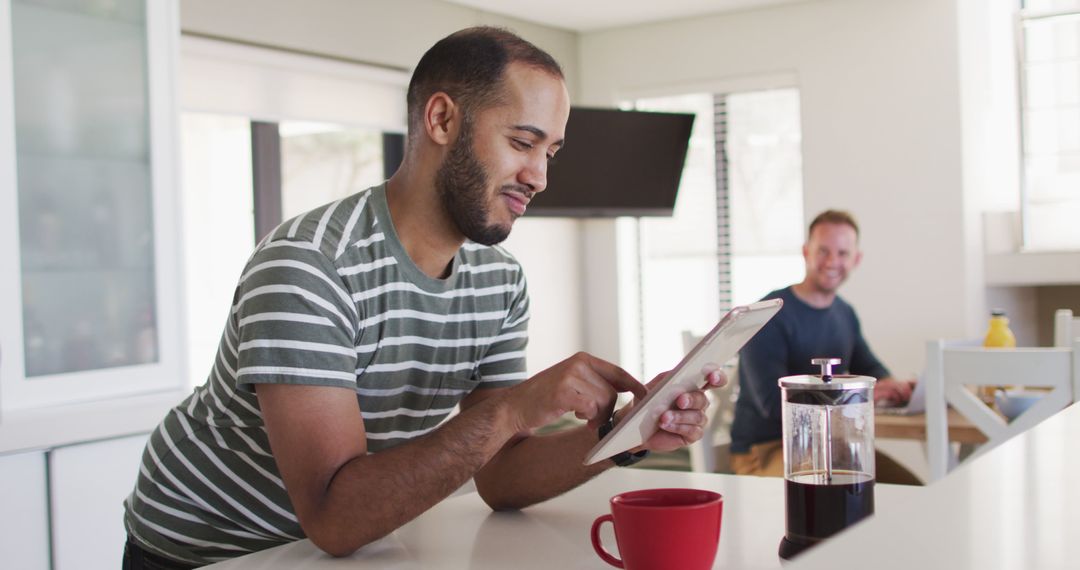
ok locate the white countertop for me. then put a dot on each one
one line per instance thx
(462, 532)
(1016, 507)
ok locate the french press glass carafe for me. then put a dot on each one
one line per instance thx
(828, 454)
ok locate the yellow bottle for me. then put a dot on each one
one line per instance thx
(997, 336)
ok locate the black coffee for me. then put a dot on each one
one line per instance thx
(816, 512)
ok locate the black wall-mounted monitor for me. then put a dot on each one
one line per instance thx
(616, 163)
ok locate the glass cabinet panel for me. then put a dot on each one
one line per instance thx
(90, 258)
(85, 195)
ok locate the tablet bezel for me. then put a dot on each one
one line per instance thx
(643, 420)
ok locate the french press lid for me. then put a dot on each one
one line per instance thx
(827, 388)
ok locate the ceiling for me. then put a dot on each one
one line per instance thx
(589, 15)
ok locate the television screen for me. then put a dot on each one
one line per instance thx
(616, 163)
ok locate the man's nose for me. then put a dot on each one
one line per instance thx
(534, 175)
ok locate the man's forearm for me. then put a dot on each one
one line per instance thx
(373, 495)
(538, 468)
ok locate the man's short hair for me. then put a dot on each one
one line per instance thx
(469, 65)
(842, 217)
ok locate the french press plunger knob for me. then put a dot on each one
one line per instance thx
(826, 365)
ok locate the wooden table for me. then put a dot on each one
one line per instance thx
(914, 427)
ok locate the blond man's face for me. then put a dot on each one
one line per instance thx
(831, 254)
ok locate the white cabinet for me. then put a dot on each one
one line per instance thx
(88, 485)
(89, 245)
(24, 525)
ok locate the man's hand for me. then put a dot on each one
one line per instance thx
(533, 469)
(685, 422)
(896, 391)
(583, 384)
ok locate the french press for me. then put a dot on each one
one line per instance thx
(828, 423)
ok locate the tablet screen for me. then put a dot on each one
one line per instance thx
(722, 343)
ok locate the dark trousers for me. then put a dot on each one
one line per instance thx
(136, 558)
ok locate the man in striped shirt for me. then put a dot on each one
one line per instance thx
(357, 327)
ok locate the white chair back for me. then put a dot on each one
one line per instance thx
(951, 366)
(717, 436)
(1066, 328)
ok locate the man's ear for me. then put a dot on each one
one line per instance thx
(441, 118)
(858, 258)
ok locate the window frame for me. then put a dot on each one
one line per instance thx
(1024, 14)
(628, 245)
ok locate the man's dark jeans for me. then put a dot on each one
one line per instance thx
(136, 558)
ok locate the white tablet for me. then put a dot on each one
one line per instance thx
(720, 345)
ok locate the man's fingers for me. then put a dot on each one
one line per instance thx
(691, 431)
(900, 391)
(615, 376)
(591, 397)
(657, 379)
(672, 420)
(716, 379)
(696, 400)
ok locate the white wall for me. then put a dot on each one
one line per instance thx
(990, 124)
(880, 88)
(907, 111)
(396, 33)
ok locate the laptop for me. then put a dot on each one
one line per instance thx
(915, 405)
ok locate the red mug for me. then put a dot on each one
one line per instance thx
(663, 528)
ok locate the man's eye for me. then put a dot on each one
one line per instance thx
(522, 145)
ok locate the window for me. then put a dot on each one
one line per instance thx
(764, 172)
(678, 257)
(737, 230)
(327, 125)
(1050, 115)
(218, 228)
(323, 162)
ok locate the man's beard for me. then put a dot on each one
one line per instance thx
(462, 184)
(827, 285)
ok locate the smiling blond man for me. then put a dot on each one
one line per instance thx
(814, 322)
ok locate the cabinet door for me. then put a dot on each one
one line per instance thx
(88, 484)
(24, 524)
(88, 207)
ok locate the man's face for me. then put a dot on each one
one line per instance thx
(831, 253)
(498, 161)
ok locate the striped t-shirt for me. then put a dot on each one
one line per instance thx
(329, 298)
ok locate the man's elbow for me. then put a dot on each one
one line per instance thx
(337, 543)
(498, 503)
(335, 549)
(501, 501)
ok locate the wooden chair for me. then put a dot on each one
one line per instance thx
(951, 366)
(716, 441)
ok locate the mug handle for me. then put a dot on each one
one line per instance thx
(599, 548)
